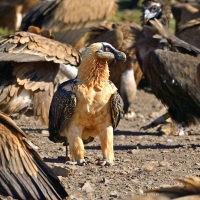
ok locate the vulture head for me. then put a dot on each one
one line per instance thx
(94, 66)
(103, 51)
(158, 9)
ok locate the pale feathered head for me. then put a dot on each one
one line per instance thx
(103, 51)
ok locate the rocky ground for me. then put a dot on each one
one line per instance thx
(143, 159)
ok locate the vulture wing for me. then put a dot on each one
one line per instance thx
(23, 174)
(172, 70)
(116, 109)
(33, 62)
(68, 20)
(61, 110)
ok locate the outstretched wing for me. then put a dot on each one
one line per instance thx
(61, 110)
(23, 174)
(116, 109)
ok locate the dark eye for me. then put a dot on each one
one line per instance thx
(106, 49)
(154, 8)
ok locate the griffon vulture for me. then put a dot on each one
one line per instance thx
(23, 174)
(29, 63)
(171, 67)
(187, 23)
(88, 105)
(69, 20)
(125, 75)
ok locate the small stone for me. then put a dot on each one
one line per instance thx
(45, 132)
(134, 151)
(147, 168)
(113, 194)
(62, 171)
(164, 164)
(106, 181)
(87, 187)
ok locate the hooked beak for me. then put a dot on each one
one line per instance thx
(120, 56)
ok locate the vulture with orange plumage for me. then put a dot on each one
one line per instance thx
(88, 106)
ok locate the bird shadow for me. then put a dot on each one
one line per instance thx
(59, 159)
(138, 133)
(143, 147)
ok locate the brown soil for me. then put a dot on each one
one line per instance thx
(143, 160)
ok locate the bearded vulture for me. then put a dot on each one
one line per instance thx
(29, 63)
(23, 174)
(88, 105)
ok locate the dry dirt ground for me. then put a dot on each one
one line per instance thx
(143, 160)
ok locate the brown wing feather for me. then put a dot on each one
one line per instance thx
(23, 174)
(69, 20)
(61, 110)
(27, 47)
(116, 109)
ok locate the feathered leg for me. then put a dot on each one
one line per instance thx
(76, 146)
(106, 138)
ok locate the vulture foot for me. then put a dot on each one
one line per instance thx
(105, 162)
(80, 162)
(130, 115)
(156, 122)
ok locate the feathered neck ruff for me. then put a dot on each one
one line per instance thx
(93, 72)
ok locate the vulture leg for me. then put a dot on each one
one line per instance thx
(106, 138)
(160, 120)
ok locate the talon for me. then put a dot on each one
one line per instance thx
(105, 162)
(156, 122)
(80, 162)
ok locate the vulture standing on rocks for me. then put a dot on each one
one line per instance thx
(171, 67)
(23, 174)
(125, 75)
(29, 63)
(69, 20)
(88, 105)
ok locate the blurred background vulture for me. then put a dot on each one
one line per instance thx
(171, 68)
(12, 12)
(23, 174)
(125, 75)
(187, 18)
(29, 64)
(69, 20)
